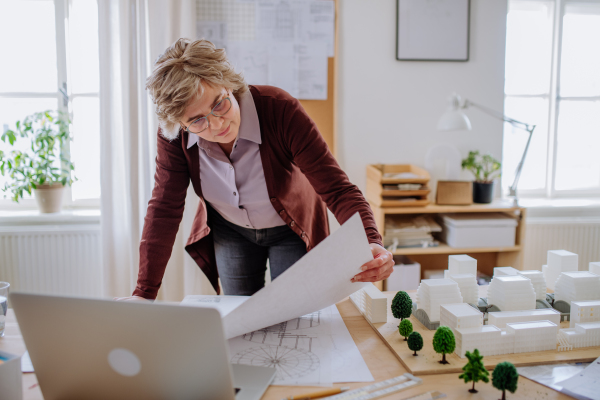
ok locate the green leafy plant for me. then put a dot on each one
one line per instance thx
(405, 328)
(401, 305)
(444, 342)
(43, 163)
(485, 168)
(505, 377)
(474, 370)
(415, 342)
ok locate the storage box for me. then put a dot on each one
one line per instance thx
(383, 188)
(454, 193)
(406, 275)
(479, 230)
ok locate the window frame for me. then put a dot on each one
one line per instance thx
(554, 101)
(64, 104)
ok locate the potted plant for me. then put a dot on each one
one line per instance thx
(41, 168)
(485, 168)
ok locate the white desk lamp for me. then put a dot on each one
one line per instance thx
(454, 119)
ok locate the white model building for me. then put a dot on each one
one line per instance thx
(511, 293)
(595, 267)
(585, 334)
(559, 261)
(487, 339)
(538, 281)
(371, 303)
(503, 318)
(467, 284)
(462, 264)
(577, 286)
(584, 311)
(460, 315)
(533, 336)
(432, 293)
(505, 271)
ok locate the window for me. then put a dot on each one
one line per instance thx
(50, 61)
(552, 81)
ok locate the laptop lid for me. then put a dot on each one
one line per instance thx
(103, 349)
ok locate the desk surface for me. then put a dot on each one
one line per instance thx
(380, 360)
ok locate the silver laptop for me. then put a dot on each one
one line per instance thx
(103, 349)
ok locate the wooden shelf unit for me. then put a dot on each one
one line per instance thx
(436, 258)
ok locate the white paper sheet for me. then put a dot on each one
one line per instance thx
(551, 375)
(585, 384)
(347, 363)
(300, 349)
(319, 279)
(223, 304)
(26, 365)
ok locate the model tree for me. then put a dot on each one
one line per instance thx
(415, 342)
(401, 305)
(474, 370)
(443, 342)
(505, 377)
(405, 328)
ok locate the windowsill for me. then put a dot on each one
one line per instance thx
(559, 208)
(34, 217)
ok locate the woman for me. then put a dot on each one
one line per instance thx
(259, 164)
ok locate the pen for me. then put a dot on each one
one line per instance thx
(317, 394)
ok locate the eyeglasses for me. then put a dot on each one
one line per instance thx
(202, 123)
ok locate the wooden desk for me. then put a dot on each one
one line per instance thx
(382, 363)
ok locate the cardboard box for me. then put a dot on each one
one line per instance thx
(454, 193)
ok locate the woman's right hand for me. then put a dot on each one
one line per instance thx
(131, 298)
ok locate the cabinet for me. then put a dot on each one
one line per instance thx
(488, 258)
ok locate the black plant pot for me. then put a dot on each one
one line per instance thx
(483, 192)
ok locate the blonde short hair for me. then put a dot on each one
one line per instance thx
(177, 78)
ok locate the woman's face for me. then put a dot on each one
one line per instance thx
(223, 129)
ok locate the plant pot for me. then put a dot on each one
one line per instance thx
(49, 197)
(483, 192)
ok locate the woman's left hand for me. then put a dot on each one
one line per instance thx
(378, 269)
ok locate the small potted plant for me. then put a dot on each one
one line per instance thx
(485, 168)
(41, 168)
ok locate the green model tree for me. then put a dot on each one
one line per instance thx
(405, 328)
(474, 370)
(415, 342)
(505, 377)
(401, 305)
(443, 342)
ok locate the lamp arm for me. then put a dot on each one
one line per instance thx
(498, 115)
(512, 190)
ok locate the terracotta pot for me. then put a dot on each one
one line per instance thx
(49, 197)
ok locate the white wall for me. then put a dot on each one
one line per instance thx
(388, 109)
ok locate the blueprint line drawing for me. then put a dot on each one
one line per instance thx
(291, 363)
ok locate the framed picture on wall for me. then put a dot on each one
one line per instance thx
(432, 30)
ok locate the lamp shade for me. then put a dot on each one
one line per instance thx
(454, 119)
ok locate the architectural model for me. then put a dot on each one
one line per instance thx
(577, 286)
(463, 270)
(538, 281)
(432, 293)
(595, 267)
(460, 315)
(505, 271)
(559, 261)
(503, 318)
(371, 303)
(462, 264)
(511, 293)
(584, 330)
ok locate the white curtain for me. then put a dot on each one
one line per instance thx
(133, 33)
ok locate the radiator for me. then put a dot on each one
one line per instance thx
(52, 259)
(577, 235)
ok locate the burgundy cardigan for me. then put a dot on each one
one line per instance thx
(302, 178)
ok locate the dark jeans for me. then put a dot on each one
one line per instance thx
(242, 253)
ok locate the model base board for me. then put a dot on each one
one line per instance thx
(427, 361)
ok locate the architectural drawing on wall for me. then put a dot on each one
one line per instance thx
(559, 261)
(291, 363)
